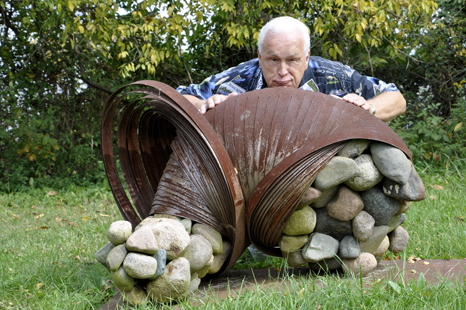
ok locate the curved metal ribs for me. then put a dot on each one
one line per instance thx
(241, 169)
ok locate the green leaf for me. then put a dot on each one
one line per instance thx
(395, 286)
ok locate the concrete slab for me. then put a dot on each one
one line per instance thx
(235, 282)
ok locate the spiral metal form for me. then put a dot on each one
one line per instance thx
(240, 169)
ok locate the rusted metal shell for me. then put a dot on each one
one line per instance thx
(241, 169)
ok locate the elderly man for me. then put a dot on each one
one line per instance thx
(284, 61)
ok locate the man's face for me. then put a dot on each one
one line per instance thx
(283, 60)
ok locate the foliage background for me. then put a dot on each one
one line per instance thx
(60, 60)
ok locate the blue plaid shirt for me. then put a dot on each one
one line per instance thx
(322, 75)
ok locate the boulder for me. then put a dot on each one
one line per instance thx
(122, 280)
(365, 263)
(198, 253)
(398, 239)
(391, 162)
(346, 205)
(101, 255)
(367, 176)
(116, 257)
(327, 225)
(371, 244)
(354, 148)
(363, 225)
(221, 258)
(140, 266)
(325, 197)
(379, 206)
(413, 190)
(292, 243)
(311, 195)
(119, 231)
(172, 238)
(301, 222)
(338, 170)
(213, 236)
(142, 241)
(349, 247)
(173, 284)
(320, 247)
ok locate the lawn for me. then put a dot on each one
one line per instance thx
(49, 239)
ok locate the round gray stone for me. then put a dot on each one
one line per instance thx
(413, 190)
(363, 225)
(221, 258)
(173, 284)
(161, 258)
(383, 247)
(365, 263)
(379, 206)
(371, 244)
(338, 170)
(311, 195)
(140, 266)
(395, 221)
(320, 247)
(198, 253)
(172, 238)
(292, 243)
(194, 283)
(213, 236)
(295, 259)
(391, 161)
(116, 257)
(137, 296)
(151, 221)
(122, 280)
(404, 206)
(101, 255)
(324, 198)
(367, 176)
(119, 231)
(327, 225)
(301, 222)
(349, 247)
(188, 224)
(354, 148)
(204, 270)
(398, 239)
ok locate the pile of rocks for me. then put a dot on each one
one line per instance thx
(164, 258)
(349, 217)
(352, 213)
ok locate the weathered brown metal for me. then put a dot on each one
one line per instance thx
(214, 197)
(241, 168)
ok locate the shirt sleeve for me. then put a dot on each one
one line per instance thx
(206, 89)
(382, 87)
(239, 79)
(369, 87)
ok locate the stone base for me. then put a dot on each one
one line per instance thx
(240, 280)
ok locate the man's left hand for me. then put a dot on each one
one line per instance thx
(358, 101)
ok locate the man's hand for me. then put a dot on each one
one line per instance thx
(358, 101)
(204, 105)
(388, 105)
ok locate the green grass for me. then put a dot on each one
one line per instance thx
(48, 243)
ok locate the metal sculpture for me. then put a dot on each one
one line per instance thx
(240, 169)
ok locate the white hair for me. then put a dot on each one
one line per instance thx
(285, 24)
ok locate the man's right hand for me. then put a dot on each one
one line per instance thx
(204, 105)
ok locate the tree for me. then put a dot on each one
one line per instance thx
(60, 59)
